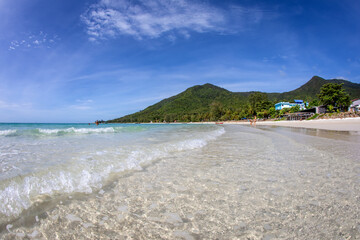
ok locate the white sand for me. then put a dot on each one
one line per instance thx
(344, 124)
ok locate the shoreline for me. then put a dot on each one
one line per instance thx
(337, 124)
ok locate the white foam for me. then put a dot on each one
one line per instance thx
(18, 196)
(49, 131)
(96, 130)
(139, 156)
(77, 130)
(7, 132)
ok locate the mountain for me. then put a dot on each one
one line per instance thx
(205, 102)
(309, 90)
(194, 100)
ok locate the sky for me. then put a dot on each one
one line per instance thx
(78, 61)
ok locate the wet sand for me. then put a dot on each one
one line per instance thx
(250, 183)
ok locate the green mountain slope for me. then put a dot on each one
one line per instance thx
(309, 90)
(195, 100)
(201, 102)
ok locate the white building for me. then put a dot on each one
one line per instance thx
(282, 105)
(355, 105)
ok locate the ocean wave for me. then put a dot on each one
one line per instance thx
(39, 132)
(89, 171)
(73, 130)
(7, 132)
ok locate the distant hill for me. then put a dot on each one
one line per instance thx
(197, 102)
(194, 100)
(309, 90)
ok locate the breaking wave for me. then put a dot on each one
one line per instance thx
(7, 132)
(43, 132)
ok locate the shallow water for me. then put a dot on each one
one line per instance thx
(50, 161)
(248, 183)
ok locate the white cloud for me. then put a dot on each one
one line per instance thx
(282, 73)
(154, 18)
(39, 40)
(148, 99)
(80, 107)
(9, 105)
(86, 101)
(82, 104)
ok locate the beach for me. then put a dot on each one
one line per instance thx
(337, 124)
(263, 182)
(345, 124)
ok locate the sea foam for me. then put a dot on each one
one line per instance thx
(7, 132)
(73, 130)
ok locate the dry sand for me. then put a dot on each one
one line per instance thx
(344, 124)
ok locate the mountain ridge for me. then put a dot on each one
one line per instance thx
(196, 102)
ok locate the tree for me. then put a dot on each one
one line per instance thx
(272, 112)
(313, 103)
(283, 111)
(295, 109)
(333, 94)
(216, 110)
(330, 108)
(259, 102)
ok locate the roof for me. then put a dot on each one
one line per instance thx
(355, 102)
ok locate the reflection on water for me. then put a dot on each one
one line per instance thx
(250, 183)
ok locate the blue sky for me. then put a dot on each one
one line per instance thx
(78, 61)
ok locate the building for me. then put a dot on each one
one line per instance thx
(282, 105)
(298, 116)
(355, 105)
(319, 110)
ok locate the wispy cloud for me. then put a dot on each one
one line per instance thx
(38, 40)
(148, 99)
(82, 104)
(154, 18)
(12, 105)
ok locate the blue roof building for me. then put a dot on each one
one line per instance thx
(282, 105)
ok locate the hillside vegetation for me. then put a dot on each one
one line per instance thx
(211, 103)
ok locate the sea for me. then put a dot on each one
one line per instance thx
(177, 181)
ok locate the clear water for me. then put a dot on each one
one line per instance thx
(40, 161)
(185, 182)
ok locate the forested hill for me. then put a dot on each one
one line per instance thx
(209, 102)
(309, 90)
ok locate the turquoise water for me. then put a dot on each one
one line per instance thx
(42, 161)
(58, 129)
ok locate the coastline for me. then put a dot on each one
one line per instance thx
(338, 124)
